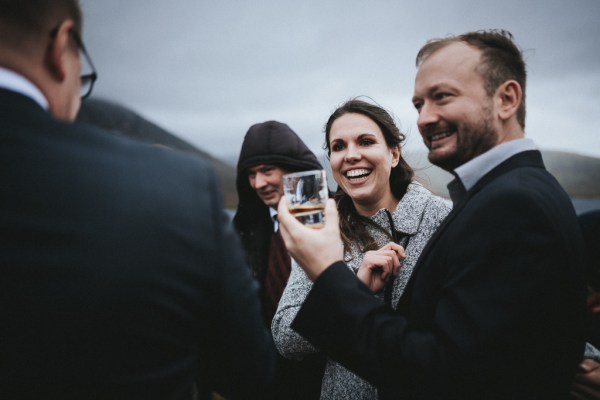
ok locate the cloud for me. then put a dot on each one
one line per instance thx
(209, 70)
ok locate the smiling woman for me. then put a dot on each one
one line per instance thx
(384, 216)
(362, 162)
(363, 145)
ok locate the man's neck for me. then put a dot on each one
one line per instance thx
(473, 170)
(15, 82)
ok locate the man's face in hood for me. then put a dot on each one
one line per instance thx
(266, 180)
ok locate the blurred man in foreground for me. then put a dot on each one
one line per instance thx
(121, 276)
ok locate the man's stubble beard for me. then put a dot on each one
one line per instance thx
(472, 140)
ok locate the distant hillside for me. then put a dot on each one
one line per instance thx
(123, 121)
(579, 175)
(432, 177)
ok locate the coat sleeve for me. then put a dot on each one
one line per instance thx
(289, 343)
(492, 299)
(243, 354)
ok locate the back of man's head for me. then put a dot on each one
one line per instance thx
(24, 22)
(40, 41)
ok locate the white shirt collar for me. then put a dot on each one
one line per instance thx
(473, 170)
(15, 82)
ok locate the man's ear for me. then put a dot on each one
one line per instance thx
(57, 50)
(509, 96)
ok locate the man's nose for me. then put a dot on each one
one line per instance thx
(260, 180)
(427, 115)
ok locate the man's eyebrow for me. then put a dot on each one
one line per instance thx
(429, 90)
(264, 168)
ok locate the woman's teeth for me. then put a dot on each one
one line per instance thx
(357, 173)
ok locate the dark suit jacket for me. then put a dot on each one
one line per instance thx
(121, 275)
(494, 307)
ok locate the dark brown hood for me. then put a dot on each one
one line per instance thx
(274, 143)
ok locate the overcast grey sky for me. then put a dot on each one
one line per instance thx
(207, 70)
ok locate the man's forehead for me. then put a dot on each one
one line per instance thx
(451, 56)
(263, 167)
(453, 62)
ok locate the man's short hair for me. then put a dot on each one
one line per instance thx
(23, 22)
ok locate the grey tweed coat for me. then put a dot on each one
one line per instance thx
(417, 215)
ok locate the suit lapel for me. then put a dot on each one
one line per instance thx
(530, 158)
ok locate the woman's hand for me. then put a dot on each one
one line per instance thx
(379, 266)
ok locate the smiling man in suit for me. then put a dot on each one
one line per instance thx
(495, 306)
(121, 275)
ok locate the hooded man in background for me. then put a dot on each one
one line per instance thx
(270, 150)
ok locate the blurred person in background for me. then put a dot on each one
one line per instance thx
(270, 150)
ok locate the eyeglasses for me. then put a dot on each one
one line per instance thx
(89, 77)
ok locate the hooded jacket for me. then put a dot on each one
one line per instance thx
(273, 143)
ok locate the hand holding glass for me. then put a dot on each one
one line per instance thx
(306, 194)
